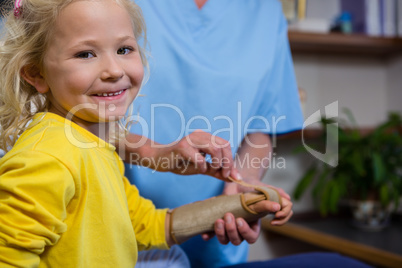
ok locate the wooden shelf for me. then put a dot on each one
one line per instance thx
(315, 133)
(307, 134)
(335, 234)
(347, 44)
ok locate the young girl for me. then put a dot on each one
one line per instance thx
(69, 71)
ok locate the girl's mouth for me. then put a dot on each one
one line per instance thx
(110, 94)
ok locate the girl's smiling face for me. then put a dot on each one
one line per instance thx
(92, 66)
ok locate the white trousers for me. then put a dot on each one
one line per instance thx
(173, 258)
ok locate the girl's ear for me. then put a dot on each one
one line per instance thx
(33, 76)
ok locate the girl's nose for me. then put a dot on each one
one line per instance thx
(112, 69)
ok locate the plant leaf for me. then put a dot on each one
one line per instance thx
(304, 183)
(324, 200)
(334, 196)
(354, 126)
(384, 196)
(321, 182)
(378, 169)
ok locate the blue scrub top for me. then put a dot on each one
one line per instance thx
(225, 69)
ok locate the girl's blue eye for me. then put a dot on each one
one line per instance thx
(85, 55)
(124, 50)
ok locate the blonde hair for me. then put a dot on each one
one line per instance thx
(24, 44)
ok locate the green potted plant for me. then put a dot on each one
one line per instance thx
(369, 171)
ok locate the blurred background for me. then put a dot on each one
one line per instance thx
(349, 52)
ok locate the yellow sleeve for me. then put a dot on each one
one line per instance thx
(35, 189)
(148, 222)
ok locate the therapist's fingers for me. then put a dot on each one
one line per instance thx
(224, 151)
(248, 231)
(193, 149)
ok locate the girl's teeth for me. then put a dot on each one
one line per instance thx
(109, 94)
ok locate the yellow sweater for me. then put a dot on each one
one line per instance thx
(64, 202)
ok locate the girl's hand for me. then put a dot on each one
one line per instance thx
(237, 230)
(281, 216)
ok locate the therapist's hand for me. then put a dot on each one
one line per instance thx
(230, 229)
(185, 157)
